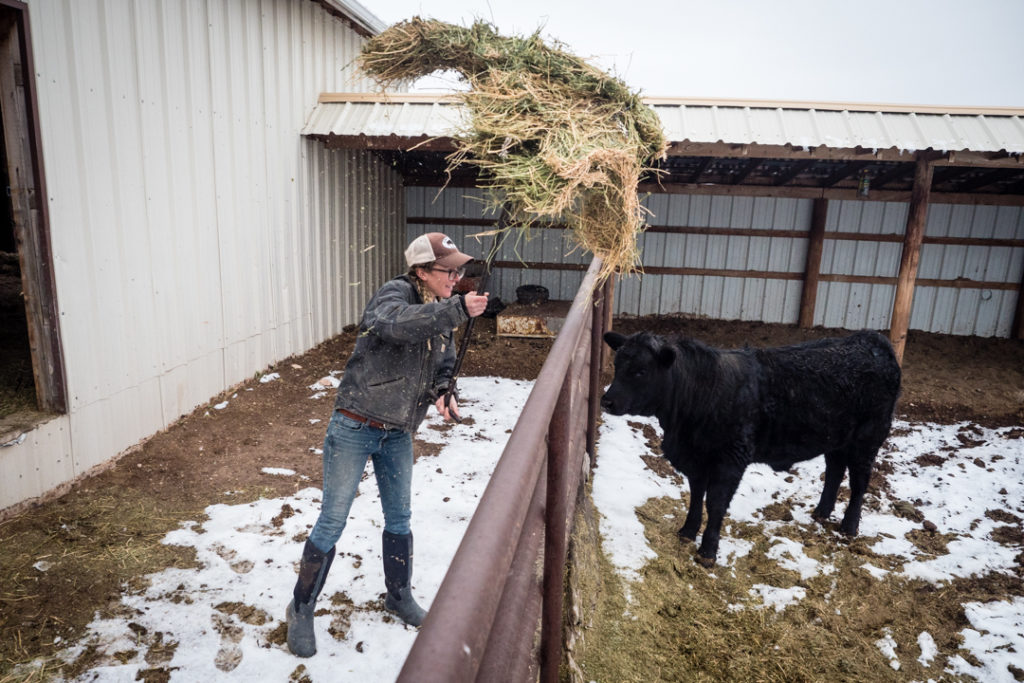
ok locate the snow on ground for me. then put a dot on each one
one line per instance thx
(214, 622)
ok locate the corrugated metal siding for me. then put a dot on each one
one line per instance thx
(843, 305)
(709, 123)
(947, 310)
(981, 312)
(540, 245)
(197, 236)
(855, 306)
(770, 300)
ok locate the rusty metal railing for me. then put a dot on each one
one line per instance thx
(501, 588)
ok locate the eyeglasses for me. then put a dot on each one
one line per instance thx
(453, 273)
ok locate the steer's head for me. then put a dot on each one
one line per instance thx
(641, 377)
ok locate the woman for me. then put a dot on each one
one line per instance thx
(402, 362)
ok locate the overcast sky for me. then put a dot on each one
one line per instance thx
(943, 52)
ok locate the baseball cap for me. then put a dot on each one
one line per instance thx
(435, 247)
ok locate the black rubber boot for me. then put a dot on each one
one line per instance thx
(398, 579)
(312, 572)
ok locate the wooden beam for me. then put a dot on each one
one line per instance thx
(986, 178)
(793, 171)
(812, 271)
(747, 169)
(948, 173)
(956, 110)
(958, 283)
(701, 167)
(897, 171)
(845, 171)
(911, 256)
(397, 143)
(885, 238)
(795, 192)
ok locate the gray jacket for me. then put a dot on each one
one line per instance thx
(404, 356)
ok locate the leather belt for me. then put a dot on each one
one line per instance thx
(364, 420)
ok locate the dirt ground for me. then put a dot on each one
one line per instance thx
(103, 535)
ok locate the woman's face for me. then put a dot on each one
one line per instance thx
(440, 281)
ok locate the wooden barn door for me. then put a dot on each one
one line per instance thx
(25, 216)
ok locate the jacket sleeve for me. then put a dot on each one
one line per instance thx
(443, 376)
(392, 317)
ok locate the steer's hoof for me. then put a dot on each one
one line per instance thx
(706, 562)
(686, 537)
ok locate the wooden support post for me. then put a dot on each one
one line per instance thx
(1017, 331)
(816, 240)
(911, 256)
(596, 367)
(608, 300)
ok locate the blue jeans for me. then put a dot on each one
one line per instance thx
(347, 447)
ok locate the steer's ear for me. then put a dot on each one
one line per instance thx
(666, 356)
(614, 340)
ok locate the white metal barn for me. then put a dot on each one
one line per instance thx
(176, 233)
(193, 201)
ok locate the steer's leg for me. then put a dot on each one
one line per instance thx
(721, 487)
(860, 474)
(835, 468)
(870, 436)
(695, 515)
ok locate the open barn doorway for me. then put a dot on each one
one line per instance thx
(32, 369)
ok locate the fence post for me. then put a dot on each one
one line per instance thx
(554, 535)
(596, 365)
(511, 653)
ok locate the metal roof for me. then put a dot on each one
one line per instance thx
(810, 148)
(803, 125)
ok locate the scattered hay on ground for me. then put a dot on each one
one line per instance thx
(685, 623)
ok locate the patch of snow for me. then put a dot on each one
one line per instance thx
(887, 646)
(790, 555)
(996, 641)
(278, 470)
(779, 598)
(928, 648)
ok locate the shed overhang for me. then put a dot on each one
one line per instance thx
(816, 147)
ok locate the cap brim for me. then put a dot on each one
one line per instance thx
(456, 260)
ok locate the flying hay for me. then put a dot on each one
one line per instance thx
(555, 137)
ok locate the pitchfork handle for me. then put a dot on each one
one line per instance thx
(464, 344)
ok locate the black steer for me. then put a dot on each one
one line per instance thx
(721, 410)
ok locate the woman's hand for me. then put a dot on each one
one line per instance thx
(475, 303)
(447, 412)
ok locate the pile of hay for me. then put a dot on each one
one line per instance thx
(556, 138)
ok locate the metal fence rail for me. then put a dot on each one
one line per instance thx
(501, 585)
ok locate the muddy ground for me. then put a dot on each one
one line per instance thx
(104, 534)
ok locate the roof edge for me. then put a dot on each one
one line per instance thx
(959, 110)
(441, 97)
(361, 19)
